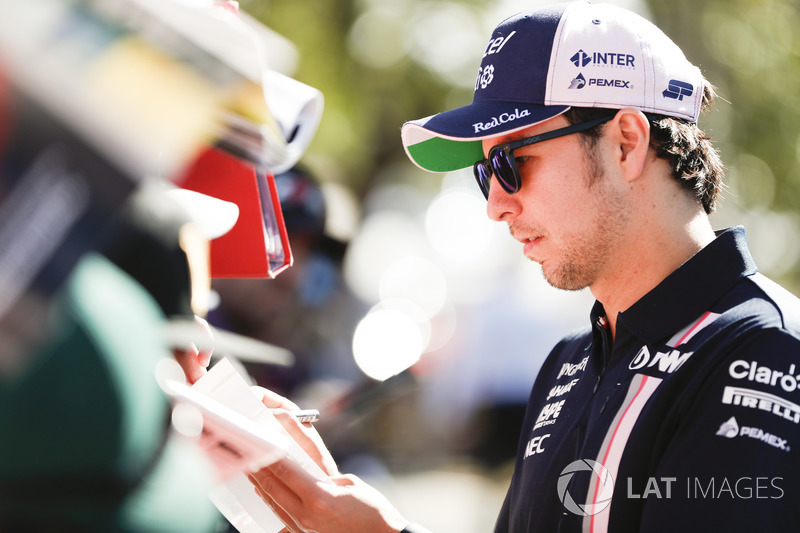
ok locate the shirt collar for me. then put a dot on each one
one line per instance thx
(690, 291)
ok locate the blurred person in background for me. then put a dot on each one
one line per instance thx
(305, 309)
(676, 407)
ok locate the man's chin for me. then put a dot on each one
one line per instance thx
(565, 281)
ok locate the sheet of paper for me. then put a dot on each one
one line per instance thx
(235, 496)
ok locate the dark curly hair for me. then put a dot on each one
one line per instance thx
(695, 162)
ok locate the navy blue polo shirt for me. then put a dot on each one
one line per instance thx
(688, 421)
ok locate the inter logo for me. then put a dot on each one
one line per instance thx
(581, 59)
(603, 59)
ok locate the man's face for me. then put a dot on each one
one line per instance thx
(569, 212)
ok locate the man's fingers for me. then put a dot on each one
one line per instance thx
(289, 484)
(272, 486)
(308, 439)
(344, 480)
(282, 515)
(204, 357)
(188, 361)
(273, 400)
(304, 434)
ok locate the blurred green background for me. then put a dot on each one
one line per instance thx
(382, 63)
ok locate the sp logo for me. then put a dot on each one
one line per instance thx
(677, 89)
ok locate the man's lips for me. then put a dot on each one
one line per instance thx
(530, 245)
(529, 242)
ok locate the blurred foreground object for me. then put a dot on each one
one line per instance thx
(102, 95)
(258, 245)
(151, 82)
(99, 102)
(86, 445)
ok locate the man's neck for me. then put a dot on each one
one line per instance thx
(647, 261)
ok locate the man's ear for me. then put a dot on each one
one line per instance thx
(630, 131)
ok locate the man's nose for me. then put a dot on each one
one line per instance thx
(501, 205)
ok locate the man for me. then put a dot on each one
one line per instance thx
(678, 408)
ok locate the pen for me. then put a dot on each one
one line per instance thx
(306, 415)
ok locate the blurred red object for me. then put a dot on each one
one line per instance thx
(258, 245)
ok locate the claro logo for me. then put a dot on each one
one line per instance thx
(788, 380)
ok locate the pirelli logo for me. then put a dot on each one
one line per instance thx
(755, 399)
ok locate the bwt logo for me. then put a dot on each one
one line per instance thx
(668, 362)
(605, 485)
(678, 89)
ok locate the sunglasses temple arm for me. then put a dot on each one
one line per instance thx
(574, 128)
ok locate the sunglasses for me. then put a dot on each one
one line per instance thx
(503, 164)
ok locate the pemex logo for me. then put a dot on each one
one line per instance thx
(604, 484)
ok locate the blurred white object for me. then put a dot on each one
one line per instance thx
(179, 333)
(213, 217)
(262, 56)
(151, 82)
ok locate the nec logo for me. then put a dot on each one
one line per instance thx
(676, 90)
(534, 446)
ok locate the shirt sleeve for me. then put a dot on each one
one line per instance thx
(731, 463)
(501, 526)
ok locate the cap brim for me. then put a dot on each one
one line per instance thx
(452, 140)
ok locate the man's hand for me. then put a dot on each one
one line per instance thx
(194, 362)
(340, 504)
(303, 433)
(336, 504)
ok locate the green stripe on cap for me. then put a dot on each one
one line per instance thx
(443, 155)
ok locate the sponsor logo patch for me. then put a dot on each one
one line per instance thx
(754, 399)
(535, 446)
(549, 414)
(677, 89)
(603, 59)
(754, 372)
(730, 430)
(485, 77)
(579, 82)
(666, 362)
(560, 390)
(568, 369)
(502, 119)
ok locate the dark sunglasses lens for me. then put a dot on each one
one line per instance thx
(483, 175)
(505, 168)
